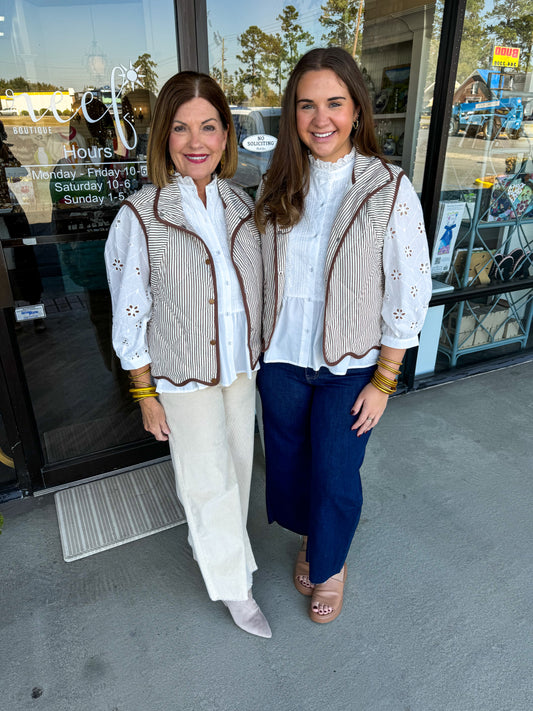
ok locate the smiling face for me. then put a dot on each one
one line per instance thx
(325, 112)
(197, 141)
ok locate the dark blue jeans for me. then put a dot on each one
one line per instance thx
(313, 458)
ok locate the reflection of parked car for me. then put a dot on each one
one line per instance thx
(252, 122)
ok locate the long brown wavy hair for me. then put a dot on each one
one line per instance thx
(287, 180)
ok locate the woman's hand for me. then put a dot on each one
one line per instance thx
(154, 419)
(370, 405)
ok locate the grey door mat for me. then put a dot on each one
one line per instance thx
(108, 512)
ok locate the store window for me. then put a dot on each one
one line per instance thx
(77, 87)
(252, 49)
(485, 227)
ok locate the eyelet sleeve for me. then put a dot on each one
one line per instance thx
(128, 274)
(407, 271)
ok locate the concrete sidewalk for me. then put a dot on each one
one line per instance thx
(437, 612)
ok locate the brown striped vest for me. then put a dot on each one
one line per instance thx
(353, 272)
(183, 329)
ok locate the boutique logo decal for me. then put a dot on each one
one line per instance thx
(121, 78)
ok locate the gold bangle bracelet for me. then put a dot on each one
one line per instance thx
(387, 382)
(383, 387)
(142, 372)
(384, 379)
(383, 390)
(383, 384)
(387, 367)
(389, 360)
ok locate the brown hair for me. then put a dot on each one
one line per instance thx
(287, 180)
(179, 89)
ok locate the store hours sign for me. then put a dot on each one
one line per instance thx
(76, 149)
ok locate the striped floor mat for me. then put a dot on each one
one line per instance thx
(108, 512)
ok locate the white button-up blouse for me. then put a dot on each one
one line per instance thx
(297, 337)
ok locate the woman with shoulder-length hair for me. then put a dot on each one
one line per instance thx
(184, 266)
(346, 288)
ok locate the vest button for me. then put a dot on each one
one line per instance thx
(213, 380)
(211, 301)
(208, 261)
(213, 342)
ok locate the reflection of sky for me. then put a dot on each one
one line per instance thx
(230, 18)
(76, 43)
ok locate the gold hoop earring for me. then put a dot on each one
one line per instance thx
(355, 124)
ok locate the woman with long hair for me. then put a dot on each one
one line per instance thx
(346, 288)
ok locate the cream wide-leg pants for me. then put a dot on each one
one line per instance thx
(211, 444)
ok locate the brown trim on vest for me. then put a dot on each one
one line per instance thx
(354, 355)
(185, 382)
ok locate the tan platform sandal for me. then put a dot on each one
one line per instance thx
(301, 572)
(328, 595)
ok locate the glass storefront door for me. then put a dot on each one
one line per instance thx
(79, 81)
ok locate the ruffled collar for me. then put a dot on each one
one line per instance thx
(326, 166)
(186, 182)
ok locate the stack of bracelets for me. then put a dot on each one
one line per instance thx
(139, 393)
(382, 382)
